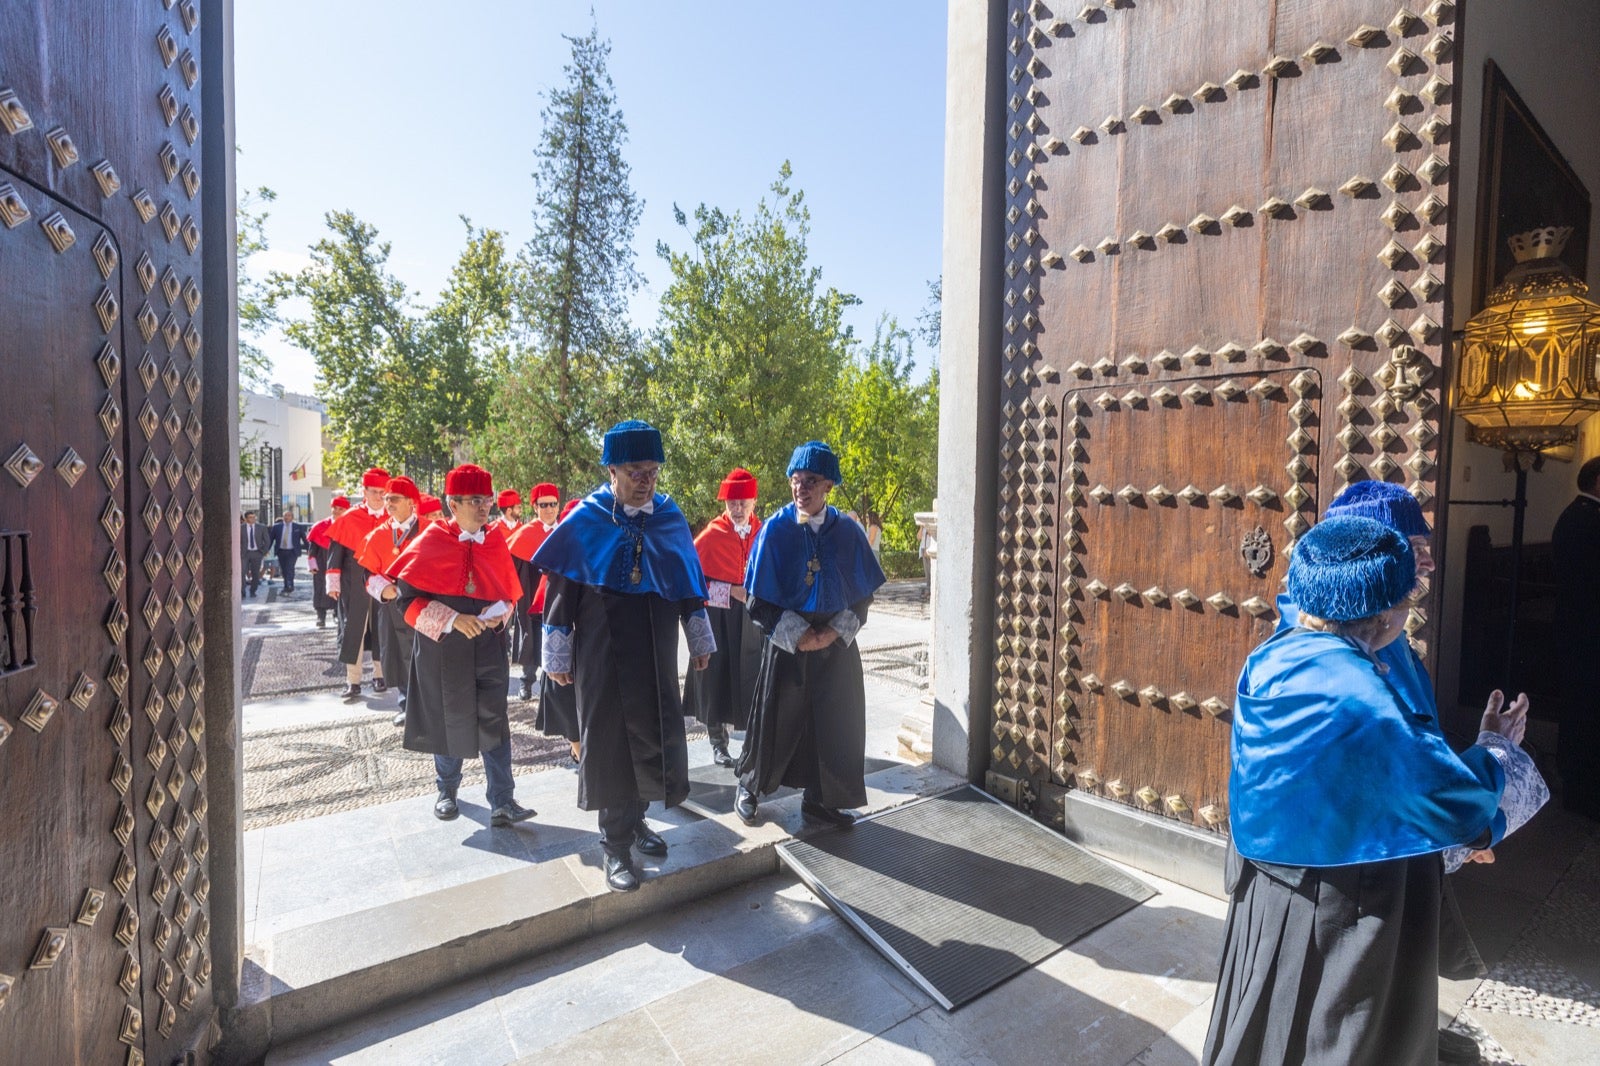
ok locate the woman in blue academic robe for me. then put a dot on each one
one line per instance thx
(1341, 803)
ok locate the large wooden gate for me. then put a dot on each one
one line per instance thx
(1225, 289)
(104, 925)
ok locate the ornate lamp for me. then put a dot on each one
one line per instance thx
(1529, 375)
(1528, 360)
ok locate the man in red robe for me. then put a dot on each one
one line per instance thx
(457, 589)
(525, 642)
(346, 574)
(720, 695)
(430, 510)
(510, 517)
(317, 560)
(378, 554)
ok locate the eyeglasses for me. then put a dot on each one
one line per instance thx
(807, 481)
(472, 501)
(649, 473)
(548, 506)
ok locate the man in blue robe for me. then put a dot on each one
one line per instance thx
(810, 580)
(622, 576)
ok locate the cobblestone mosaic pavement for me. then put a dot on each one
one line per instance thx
(353, 757)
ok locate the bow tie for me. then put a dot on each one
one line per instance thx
(632, 512)
(476, 538)
(742, 531)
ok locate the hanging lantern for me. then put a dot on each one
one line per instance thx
(1528, 361)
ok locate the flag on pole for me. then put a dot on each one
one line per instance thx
(298, 472)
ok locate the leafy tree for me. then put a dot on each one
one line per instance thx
(931, 318)
(749, 348)
(568, 376)
(887, 435)
(403, 389)
(255, 312)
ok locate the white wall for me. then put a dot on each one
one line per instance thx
(1549, 50)
(284, 423)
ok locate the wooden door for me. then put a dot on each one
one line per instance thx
(104, 945)
(1225, 286)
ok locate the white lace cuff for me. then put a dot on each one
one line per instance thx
(697, 631)
(332, 582)
(375, 586)
(787, 633)
(1524, 794)
(846, 624)
(718, 593)
(435, 620)
(556, 650)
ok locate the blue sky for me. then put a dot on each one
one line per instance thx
(412, 114)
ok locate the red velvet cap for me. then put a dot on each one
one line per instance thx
(541, 490)
(468, 480)
(341, 503)
(509, 498)
(376, 478)
(404, 486)
(430, 505)
(740, 484)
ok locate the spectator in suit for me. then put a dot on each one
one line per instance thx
(288, 540)
(1576, 546)
(252, 543)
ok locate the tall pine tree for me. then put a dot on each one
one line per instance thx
(565, 381)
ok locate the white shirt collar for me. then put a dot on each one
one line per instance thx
(743, 531)
(1591, 496)
(649, 508)
(548, 526)
(379, 513)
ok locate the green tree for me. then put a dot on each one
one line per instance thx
(749, 349)
(568, 378)
(403, 388)
(887, 435)
(255, 312)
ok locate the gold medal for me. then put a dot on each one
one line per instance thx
(637, 575)
(470, 587)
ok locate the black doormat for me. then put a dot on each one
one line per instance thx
(961, 891)
(711, 787)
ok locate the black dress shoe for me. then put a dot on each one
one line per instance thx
(352, 692)
(619, 874)
(380, 685)
(744, 805)
(512, 812)
(1457, 1047)
(444, 808)
(827, 815)
(720, 756)
(527, 689)
(648, 841)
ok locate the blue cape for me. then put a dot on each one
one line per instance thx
(594, 546)
(783, 547)
(1407, 673)
(1329, 768)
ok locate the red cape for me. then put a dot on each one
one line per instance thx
(527, 538)
(318, 534)
(723, 555)
(438, 562)
(352, 527)
(378, 552)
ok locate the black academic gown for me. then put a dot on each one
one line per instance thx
(722, 693)
(320, 600)
(525, 640)
(558, 709)
(625, 670)
(808, 721)
(456, 690)
(360, 630)
(1329, 966)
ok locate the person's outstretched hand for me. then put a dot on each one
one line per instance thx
(1510, 722)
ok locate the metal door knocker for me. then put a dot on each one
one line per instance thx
(1256, 551)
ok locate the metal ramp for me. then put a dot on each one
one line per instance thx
(961, 891)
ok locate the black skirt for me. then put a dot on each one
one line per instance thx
(1336, 966)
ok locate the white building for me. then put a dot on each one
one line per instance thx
(291, 424)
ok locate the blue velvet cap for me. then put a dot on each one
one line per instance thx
(815, 457)
(632, 441)
(1349, 567)
(1385, 502)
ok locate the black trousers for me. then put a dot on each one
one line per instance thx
(619, 824)
(252, 572)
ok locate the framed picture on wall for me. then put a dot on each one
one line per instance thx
(1523, 183)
